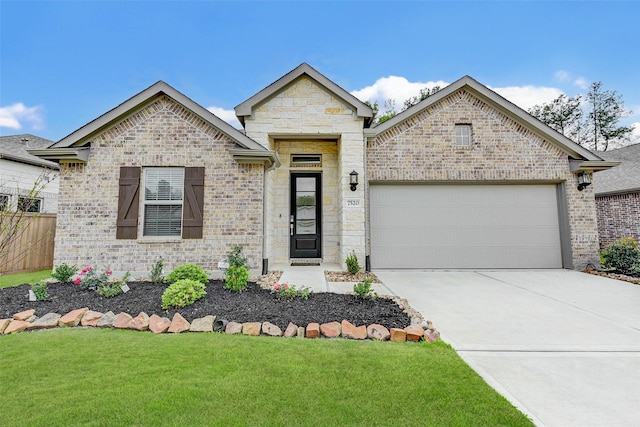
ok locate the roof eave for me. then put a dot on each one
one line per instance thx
(269, 159)
(63, 155)
(576, 165)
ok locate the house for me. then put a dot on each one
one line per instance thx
(21, 172)
(618, 196)
(464, 179)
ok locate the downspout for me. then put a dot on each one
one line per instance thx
(265, 260)
(367, 259)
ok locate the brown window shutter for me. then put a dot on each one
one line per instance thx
(193, 203)
(128, 200)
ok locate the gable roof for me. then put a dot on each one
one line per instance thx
(510, 109)
(69, 147)
(14, 147)
(623, 178)
(246, 108)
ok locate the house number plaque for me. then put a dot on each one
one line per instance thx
(354, 203)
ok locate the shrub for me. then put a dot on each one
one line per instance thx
(236, 278)
(290, 292)
(182, 293)
(91, 279)
(64, 272)
(40, 290)
(352, 263)
(363, 289)
(622, 256)
(113, 288)
(156, 271)
(237, 275)
(190, 272)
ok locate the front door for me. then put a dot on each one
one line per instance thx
(305, 225)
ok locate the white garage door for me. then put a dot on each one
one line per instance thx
(464, 226)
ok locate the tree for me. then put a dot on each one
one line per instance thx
(592, 122)
(390, 104)
(606, 108)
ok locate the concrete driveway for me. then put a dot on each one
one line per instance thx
(561, 345)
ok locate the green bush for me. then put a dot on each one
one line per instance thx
(352, 263)
(64, 272)
(190, 272)
(290, 292)
(622, 256)
(156, 271)
(40, 290)
(237, 274)
(112, 288)
(236, 278)
(363, 289)
(182, 293)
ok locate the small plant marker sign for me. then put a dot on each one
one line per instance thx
(32, 296)
(125, 288)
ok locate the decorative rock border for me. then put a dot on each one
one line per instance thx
(27, 320)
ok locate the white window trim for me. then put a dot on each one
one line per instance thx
(146, 203)
(463, 139)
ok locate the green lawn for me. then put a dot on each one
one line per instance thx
(22, 278)
(101, 377)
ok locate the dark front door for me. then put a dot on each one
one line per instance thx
(305, 225)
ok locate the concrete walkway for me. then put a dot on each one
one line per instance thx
(562, 346)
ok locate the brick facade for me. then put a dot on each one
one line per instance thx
(618, 216)
(421, 149)
(161, 134)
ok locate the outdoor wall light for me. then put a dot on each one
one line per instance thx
(584, 180)
(353, 180)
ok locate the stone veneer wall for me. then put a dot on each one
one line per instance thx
(161, 134)
(422, 149)
(618, 216)
(308, 111)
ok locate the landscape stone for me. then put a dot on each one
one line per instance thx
(330, 330)
(122, 320)
(72, 318)
(91, 318)
(398, 335)
(251, 328)
(24, 315)
(140, 322)
(301, 332)
(378, 332)
(203, 324)
(158, 325)
(233, 328)
(313, 330)
(48, 321)
(106, 321)
(431, 335)
(414, 332)
(291, 331)
(271, 329)
(3, 324)
(349, 330)
(178, 324)
(16, 326)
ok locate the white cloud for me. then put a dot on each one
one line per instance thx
(635, 135)
(526, 97)
(566, 77)
(393, 87)
(228, 116)
(15, 116)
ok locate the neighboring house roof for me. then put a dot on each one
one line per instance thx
(621, 179)
(571, 148)
(246, 108)
(14, 147)
(70, 147)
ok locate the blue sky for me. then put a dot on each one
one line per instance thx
(64, 63)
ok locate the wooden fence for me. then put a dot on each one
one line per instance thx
(33, 250)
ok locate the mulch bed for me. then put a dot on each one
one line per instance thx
(254, 304)
(617, 276)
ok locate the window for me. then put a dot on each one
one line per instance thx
(463, 135)
(163, 195)
(29, 204)
(4, 202)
